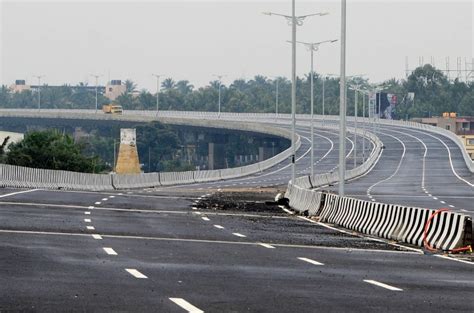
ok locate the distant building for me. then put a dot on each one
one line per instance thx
(463, 126)
(114, 89)
(19, 86)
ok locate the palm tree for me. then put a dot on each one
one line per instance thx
(168, 84)
(184, 87)
(130, 86)
(4, 145)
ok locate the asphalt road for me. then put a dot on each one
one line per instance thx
(152, 250)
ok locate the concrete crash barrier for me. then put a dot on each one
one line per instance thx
(446, 230)
(129, 181)
(25, 177)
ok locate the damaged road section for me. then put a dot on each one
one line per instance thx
(255, 213)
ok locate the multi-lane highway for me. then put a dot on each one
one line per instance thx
(155, 250)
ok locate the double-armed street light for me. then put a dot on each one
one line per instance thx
(39, 90)
(157, 92)
(312, 47)
(293, 21)
(96, 86)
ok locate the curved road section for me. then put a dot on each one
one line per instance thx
(161, 250)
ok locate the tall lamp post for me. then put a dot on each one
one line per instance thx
(219, 77)
(277, 81)
(39, 90)
(312, 47)
(157, 93)
(342, 104)
(356, 89)
(293, 21)
(96, 92)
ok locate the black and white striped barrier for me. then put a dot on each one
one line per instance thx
(446, 231)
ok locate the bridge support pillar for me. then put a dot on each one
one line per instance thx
(216, 156)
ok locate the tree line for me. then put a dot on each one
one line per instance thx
(434, 94)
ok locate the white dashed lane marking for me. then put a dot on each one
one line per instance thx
(98, 237)
(90, 227)
(87, 220)
(110, 251)
(105, 199)
(451, 206)
(97, 203)
(87, 213)
(310, 261)
(205, 219)
(239, 235)
(443, 202)
(186, 305)
(376, 283)
(219, 226)
(91, 208)
(135, 273)
(266, 245)
(111, 197)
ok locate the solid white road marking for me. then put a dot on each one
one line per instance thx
(205, 219)
(376, 283)
(87, 220)
(198, 213)
(17, 193)
(186, 305)
(97, 203)
(135, 273)
(87, 213)
(219, 226)
(266, 245)
(90, 227)
(310, 261)
(239, 235)
(110, 251)
(96, 236)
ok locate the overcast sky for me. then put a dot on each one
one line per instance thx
(68, 40)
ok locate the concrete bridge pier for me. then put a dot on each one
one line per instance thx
(216, 156)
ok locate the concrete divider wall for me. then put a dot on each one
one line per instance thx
(394, 222)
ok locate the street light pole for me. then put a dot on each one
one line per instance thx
(294, 21)
(39, 90)
(96, 92)
(219, 100)
(342, 105)
(324, 88)
(157, 93)
(312, 47)
(363, 125)
(355, 125)
(276, 98)
(293, 91)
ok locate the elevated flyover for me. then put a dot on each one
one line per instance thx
(157, 249)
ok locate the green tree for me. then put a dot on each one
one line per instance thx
(51, 149)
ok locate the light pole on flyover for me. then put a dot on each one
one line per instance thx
(219, 77)
(96, 92)
(342, 104)
(39, 90)
(312, 47)
(157, 93)
(293, 21)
